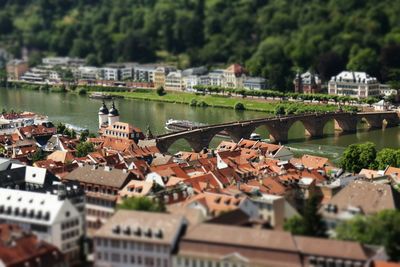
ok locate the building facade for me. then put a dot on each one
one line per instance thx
(221, 245)
(307, 83)
(16, 68)
(174, 81)
(144, 73)
(255, 83)
(101, 186)
(135, 238)
(353, 84)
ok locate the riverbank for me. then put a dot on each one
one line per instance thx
(195, 99)
(225, 102)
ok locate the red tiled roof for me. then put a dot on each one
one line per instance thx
(27, 249)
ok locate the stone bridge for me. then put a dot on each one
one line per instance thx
(278, 127)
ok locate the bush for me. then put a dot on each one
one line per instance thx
(82, 91)
(45, 87)
(202, 104)
(279, 110)
(193, 103)
(160, 91)
(239, 106)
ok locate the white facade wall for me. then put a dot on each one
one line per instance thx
(354, 84)
(190, 82)
(123, 253)
(110, 74)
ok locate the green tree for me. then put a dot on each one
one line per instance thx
(142, 204)
(379, 229)
(60, 128)
(363, 60)
(388, 157)
(6, 24)
(310, 224)
(358, 156)
(83, 136)
(38, 156)
(82, 149)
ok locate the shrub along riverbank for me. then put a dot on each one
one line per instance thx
(194, 99)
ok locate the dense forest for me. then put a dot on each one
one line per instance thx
(272, 38)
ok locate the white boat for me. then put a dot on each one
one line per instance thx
(255, 137)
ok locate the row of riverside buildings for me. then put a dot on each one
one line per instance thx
(346, 83)
(52, 70)
(223, 207)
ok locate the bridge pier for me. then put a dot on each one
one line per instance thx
(391, 123)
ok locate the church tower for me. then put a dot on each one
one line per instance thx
(113, 115)
(103, 115)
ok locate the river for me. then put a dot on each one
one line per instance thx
(82, 111)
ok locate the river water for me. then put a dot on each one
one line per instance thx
(82, 111)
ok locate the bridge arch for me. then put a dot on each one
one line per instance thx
(375, 122)
(240, 131)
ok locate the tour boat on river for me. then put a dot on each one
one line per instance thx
(99, 95)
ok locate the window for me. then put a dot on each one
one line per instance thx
(115, 257)
(115, 243)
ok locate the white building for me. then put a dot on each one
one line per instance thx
(109, 74)
(216, 77)
(354, 84)
(88, 73)
(190, 82)
(174, 81)
(136, 238)
(51, 218)
(63, 61)
(386, 91)
(255, 83)
(144, 73)
(126, 73)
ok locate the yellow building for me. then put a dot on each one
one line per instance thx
(160, 74)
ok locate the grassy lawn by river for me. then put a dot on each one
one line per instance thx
(219, 101)
(249, 103)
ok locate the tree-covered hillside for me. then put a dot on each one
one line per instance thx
(272, 38)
